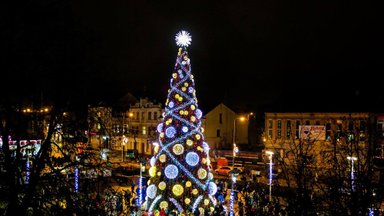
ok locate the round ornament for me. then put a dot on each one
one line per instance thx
(162, 185)
(187, 201)
(162, 158)
(188, 184)
(189, 142)
(206, 201)
(198, 136)
(171, 171)
(177, 189)
(151, 191)
(178, 149)
(192, 158)
(164, 204)
(152, 171)
(202, 173)
(174, 75)
(193, 107)
(195, 191)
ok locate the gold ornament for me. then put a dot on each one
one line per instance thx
(206, 201)
(193, 107)
(152, 171)
(188, 184)
(174, 75)
(164, 204)
(177, 96)
(202, 173)
(193, 118)
(180, 99)
(204, 161)
(163, 158)
(178, 149)
(156, 149)
(198, 136)
(195, 191)
(161, 135)
(186, 84)
(189, 142)
(162, 185)
(183, 89)
(187, 201)
(158, 173)
(177, 190)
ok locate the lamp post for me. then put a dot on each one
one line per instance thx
(270, 154)
(352, 159)
(123, 142)
(235, 149)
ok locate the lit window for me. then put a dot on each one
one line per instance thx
(144, 130)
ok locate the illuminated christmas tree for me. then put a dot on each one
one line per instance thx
(180, 177)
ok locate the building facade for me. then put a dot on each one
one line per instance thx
(321, 137)
(222, 125)
(143, 118)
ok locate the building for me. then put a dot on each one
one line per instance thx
(221, 123)
(143, 118)
(320, 138)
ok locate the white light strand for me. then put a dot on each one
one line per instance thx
(178, 206)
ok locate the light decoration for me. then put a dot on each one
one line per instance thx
(181, 134)
(152, 171)
(183, 39)
(160, 127)
(151, 191)
(171, 171)
(196, 203)
(192, 158)
(162, 158)
(162, 185)
(177, 189)
(171, 104)
(202, 173)
(178, 149)
(76, 179)
(206, 201)
(231, 202)
(154, 203)
(164, 204)
(187, 201)
(27, 171)
(199, 114)
(212, 188)
(178, 206)
(152, 161)
(213, 200)
(140, 188)
(170, 132)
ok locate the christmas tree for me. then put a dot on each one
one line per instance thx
(180, 177)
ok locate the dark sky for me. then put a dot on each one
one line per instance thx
(260, 55)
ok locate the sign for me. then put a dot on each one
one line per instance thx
(312, 132)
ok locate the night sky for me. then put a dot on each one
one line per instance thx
(252, 55)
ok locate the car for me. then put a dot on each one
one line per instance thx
(223, 170)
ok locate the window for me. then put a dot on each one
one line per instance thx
(297, 130)
(149, 115)
(328, 131)
(154, 115)
(307, 122)
(363, 127)
(279, 129)
(270, 126)
(220, 118)
(218, 133)
(288, 129)
(144, 130)
(317, 122)
(142, 116)
(137, 115)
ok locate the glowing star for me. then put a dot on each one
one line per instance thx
(183, 39)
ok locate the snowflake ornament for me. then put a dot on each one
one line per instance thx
(183, 39)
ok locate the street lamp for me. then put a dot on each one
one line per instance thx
(270, 154)
(352, 159)
(123, 142)
(235, 149)
(234, 172)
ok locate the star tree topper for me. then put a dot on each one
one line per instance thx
(183, 39)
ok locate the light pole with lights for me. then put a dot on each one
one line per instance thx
(233, 173)
(352, 159)
(270, 154)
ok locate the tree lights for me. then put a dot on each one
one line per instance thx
(180, 175)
